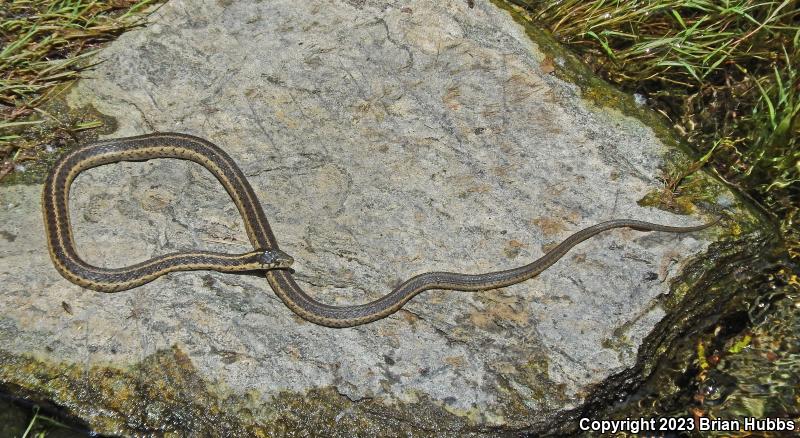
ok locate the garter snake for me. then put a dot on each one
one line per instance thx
(266, 256)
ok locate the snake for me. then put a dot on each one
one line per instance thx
(266, 258)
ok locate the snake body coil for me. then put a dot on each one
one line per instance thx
(267, 256)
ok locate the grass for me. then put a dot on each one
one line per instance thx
(35, 430)
(45, 44)
(725, 74)
(27, 421)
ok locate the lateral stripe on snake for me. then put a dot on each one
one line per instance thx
(266, 255)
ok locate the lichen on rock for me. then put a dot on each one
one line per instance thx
(384, 139)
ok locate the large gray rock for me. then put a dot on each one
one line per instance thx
(384, 140)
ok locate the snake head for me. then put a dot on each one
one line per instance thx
(276, 259)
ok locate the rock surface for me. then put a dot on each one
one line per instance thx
(383, 139)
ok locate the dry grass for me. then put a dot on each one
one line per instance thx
(725, 73)
(43, 44)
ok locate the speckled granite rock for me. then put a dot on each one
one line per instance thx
(384, 139)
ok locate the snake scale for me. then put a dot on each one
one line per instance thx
(266, 256)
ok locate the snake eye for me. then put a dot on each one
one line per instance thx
(276, 259)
